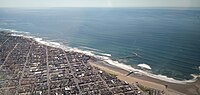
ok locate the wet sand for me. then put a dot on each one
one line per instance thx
(172, 88)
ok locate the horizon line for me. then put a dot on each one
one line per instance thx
(100, 7)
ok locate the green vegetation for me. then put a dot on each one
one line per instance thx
(113, 75)
(146, 89)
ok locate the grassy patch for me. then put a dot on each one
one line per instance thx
(113, 75)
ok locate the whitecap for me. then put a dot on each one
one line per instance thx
(89, 48)
(82, 51)
(13, 31)
(144, 66)
(104, 54)
(96, 51)
(160, 77)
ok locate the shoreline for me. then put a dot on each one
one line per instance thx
(53, 71)
(172, 88)
(102, 57)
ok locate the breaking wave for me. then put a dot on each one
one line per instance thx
(84, 47)
(14, 31)
(199, 68)
(144, 66)
(103, 56)
(95, 51)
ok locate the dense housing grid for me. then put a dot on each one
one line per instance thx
(30, 68)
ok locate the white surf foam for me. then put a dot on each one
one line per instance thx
(108, 60)
(160, 77)
(96, 51)
(104, 54)
(13, 31)
(144, 66)
(84, 47)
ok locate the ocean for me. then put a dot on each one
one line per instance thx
(160, 42)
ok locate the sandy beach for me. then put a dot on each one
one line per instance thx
(172, 88)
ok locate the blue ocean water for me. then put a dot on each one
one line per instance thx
(168, 40)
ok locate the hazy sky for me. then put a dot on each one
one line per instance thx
(99, 3)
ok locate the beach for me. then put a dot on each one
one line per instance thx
(168, 46)
(135, 78)
(171, 89)
(45, 68)
(152, 42)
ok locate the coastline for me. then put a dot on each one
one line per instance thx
(172, 88)
(48, 70)
(101, 56)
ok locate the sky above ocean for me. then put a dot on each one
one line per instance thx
(99, 3)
